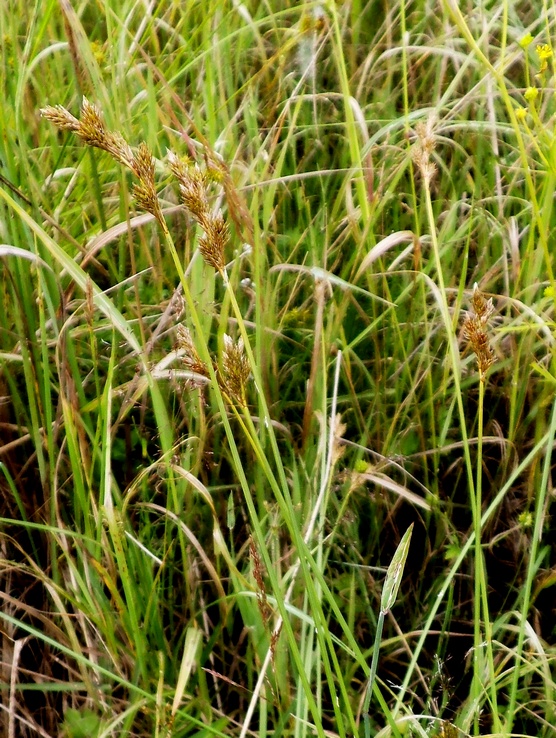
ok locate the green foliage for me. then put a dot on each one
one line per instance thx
(84, 724)
(277, 369)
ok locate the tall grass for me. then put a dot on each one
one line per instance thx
(278, 288)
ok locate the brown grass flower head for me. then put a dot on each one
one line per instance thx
(191, 357)
(60, 117)
(475, 330)
(145, 190)
(91, 129)
(423, 148)
(264, 607)
(235, 369)
(193, 185)
(213, 243)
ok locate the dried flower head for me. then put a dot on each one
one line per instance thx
(191, 357)
(235, 369)
(193, 183)
(426, 134)
(424, 147)
(274, 640)
(60, 117)
(145, 190)
(213, 243)
(179, 166)
(92, 130)
(264, 607)
(474, 331)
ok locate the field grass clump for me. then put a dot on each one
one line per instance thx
(277, 369)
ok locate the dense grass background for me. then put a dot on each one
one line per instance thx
(176, 563)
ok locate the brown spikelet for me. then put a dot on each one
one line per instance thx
(474, 331)
(145, 190)
(191, 357)
(424, 147)
(193, 194)
(274, 640)
(119, 149)
(235, 369)
(92, 130)
(193, 183)
(60, 117)
(213, 243)
(264, 607)
(179, 165)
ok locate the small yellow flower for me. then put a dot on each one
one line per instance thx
(531, 94)
(525, 520)
(549, 291)
(544, 51)
(526, 41)
(99, 52)
(521, 113)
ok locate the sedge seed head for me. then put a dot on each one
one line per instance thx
(213, 243)
(60, 117)
(264, 607)
(424, 148)
(193, 192)
(179, 166)
(191, 357)
(474, 331)
(145, 190)
(91, 129)
(193, 183)
(235, 369)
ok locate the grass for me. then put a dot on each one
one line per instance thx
(270, 462)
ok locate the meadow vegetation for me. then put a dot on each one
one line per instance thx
(277, 369)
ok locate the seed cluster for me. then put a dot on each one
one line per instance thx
(474, 331)
(194, 184)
